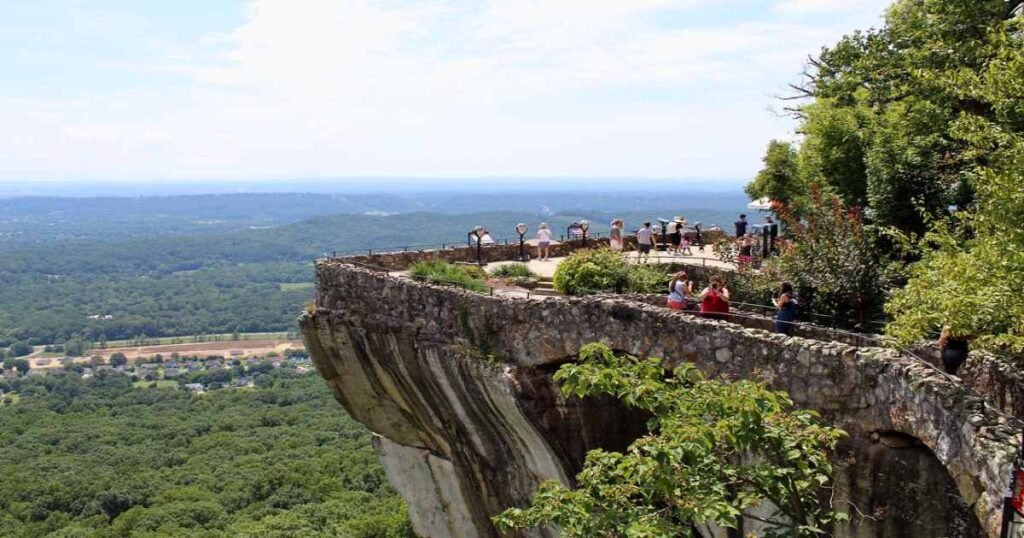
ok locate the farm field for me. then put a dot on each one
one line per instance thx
(239, 348)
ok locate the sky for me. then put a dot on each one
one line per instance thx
(250, 90)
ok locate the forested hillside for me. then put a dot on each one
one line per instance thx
(97, 457)
(184, 284)
(42, 220)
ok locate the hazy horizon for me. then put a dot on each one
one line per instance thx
(369, 185)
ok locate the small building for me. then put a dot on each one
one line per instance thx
(244, 381)
(195, 387)
(171, 373)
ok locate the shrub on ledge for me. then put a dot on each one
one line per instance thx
(442, 272)
(592, 271)
(513, 270)
(603, 270)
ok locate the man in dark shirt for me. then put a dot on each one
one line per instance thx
(741, 226)
(773, 232)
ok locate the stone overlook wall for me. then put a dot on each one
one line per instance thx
(397, 261)
(458, 388)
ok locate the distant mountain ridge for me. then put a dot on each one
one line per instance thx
(46, 219)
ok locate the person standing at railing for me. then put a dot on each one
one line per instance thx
(772, 234)
(785, 309)
(543, 242)
(675, 234)
(714, 300)
(615, 235)
(954, 351)
(747, 243)
(741, 226)
(644, 242)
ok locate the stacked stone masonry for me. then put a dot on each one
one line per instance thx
(457, 387)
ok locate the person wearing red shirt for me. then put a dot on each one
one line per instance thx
(714, 300)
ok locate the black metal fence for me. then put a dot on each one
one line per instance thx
(447, 245)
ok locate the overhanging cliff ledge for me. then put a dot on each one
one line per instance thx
(457, 386)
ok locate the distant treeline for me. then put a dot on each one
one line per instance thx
(183, 285)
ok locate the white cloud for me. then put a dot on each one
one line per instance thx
(327, 88)
(805, 6)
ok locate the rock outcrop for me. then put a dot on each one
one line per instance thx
(457, 386)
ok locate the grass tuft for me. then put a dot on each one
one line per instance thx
(442, 272)
(513, 270)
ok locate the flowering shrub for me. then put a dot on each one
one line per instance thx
(831, 258)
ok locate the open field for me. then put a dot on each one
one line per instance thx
(118, 345)
(187, 339)
(161, 384)
(295, 286)
(244, 348)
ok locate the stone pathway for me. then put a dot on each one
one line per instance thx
(546, 269)
(703, 259)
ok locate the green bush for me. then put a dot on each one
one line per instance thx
(513, 270)
(587, 272)
(648, 279)
(442, 272)
(592, 271)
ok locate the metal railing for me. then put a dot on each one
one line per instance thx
(447, 245)
(834, 322)
(371, 267)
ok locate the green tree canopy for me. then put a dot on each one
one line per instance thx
(779, 180)
(715, 451)
(19, 349)
(971, 276)
(118, 359)
(880, 124)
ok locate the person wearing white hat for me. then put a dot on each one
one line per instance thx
(543, 242)
(615, 236)
(675, 234)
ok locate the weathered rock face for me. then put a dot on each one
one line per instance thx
(458, 387)
(999, 378)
